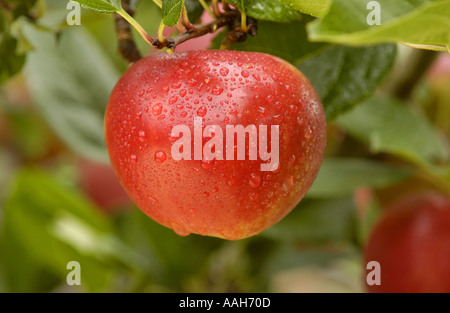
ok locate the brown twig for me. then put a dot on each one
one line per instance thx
(126, 45)
(227, 19)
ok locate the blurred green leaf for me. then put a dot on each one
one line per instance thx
(171, 11)
(391, 127)
(11, 61)
(194, 10)
(103, 6)
(419, 23)
(19, 7)
(345, 76)
(317, 222)
(341, 177)
(316, 8)
(166, 250)
(53, 225)
(268, 10)
(70, 81)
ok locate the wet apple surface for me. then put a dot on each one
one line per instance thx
(229, 196)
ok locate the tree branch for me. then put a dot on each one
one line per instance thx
(126, 45)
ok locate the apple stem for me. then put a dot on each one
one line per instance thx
(126, 44)
(215, 6)
(185, 18)
(136, 26)
(161, 37)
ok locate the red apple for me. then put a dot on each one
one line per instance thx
(101, 184)
(411, 243)
(226, 198)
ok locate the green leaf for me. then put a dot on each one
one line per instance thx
(102, 6)
(341, 177)
(388, 126)
(194, 10)
(171, 11)
(419, 23)
(52, 225)
(277, 39)
(345, 76)
(70, 82)
(12, 62)
(317, 222)
(316, 8)
(268, 10)
(342, 76)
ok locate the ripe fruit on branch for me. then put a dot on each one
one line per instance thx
(412, 244)
(168, 124)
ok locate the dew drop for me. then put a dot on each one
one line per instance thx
(173, 99)
(192, 82)
(245, 74)
(180, 231)
(165, 88)
(263, 113)
(224, 71)
(133, 158)
(183, 92)
(141, 136)
(255, 180)
(176, 85)
(256, 77)
(270, 99)
(217, 90)
(160, 156)
(202, 111)
(256, 88)
(206, 194)
(157, 109)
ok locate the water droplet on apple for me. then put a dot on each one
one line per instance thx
(217, 90)
(179, 230)
(255, 180)
(173, 99)
(202, 111)
(160, 156)
(157, 109)
(245, 74)
(224, 71)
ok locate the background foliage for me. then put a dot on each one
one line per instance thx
(55, 82)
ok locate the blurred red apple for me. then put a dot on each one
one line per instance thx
(101, 184)
(411, 243)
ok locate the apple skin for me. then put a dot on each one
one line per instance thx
(225, 199)
(412, 244)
